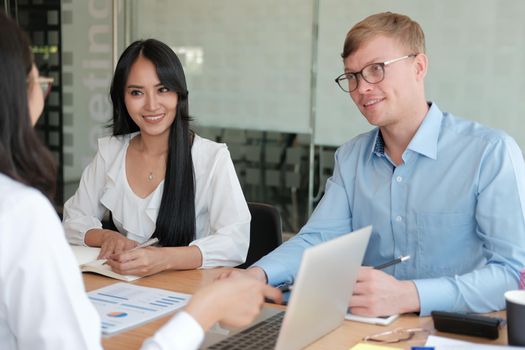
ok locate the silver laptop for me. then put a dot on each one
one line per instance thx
(317, 305)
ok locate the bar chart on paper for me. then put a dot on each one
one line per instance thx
(123, 305)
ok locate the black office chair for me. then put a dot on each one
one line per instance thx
(265, 232)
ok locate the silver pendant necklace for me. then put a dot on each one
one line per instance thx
(150, 176)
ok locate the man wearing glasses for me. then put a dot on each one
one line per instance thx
(446, 191)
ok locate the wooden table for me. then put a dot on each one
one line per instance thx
(344, 337)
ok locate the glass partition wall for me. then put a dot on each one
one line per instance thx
(261, 78)
(41, 20)
(250, 86)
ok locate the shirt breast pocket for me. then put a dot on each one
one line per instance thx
(447, 243)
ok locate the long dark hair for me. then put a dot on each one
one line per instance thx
(23, 156)
(176, 218)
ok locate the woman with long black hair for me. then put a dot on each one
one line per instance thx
(157, 178)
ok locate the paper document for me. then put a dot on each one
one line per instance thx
(381, 321)
(123, 305)
(443, 343)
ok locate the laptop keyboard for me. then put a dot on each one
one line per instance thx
(261, 336)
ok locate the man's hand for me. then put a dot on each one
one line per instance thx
(234, 301)
(376, 293)
(253, 272)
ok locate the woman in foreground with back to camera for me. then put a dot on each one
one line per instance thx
(42, 300)
(157, 178)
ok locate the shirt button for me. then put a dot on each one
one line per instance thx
(399, 218)
(399, 179)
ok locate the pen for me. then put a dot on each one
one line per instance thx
(148, 243)
(393, 262)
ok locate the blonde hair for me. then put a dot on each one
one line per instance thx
(393, 25)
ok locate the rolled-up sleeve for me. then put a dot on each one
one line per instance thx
(330, 219)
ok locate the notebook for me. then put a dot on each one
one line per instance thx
(317, 305)
(87, 261)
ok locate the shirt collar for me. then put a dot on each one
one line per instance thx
(425, 141)
(379, 144)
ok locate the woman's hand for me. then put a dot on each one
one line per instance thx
(234, 301)
(114, 243)
(139, 262)
(110, 242)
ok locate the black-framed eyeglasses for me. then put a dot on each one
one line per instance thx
(372, 73)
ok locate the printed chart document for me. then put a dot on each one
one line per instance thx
(87, 261)
(123, 305)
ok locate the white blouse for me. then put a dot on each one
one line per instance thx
(222, 215)
(182, 332)
(42, 300)
(43, 304)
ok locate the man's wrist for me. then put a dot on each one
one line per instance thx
(258, 273)
(411, 297)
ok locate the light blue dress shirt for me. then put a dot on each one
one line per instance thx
(456, 205)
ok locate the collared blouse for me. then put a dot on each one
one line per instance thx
(222, 215)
